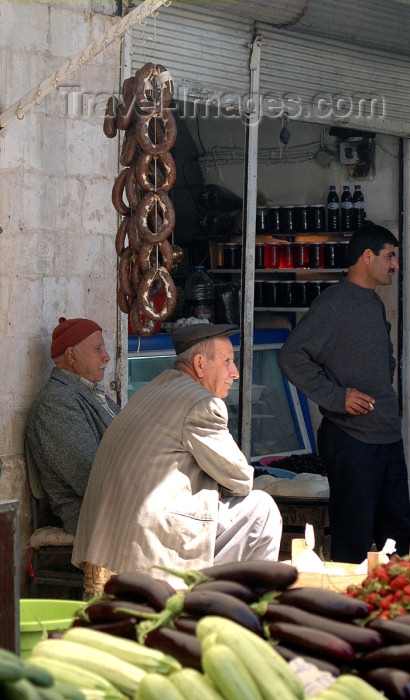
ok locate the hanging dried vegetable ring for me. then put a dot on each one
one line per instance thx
(131, 187)
(121, 236)
(144, 296)
(128, 277)
(141, 326)
(118, 191)
(151, 203)
(157, 132)
(149, 251)
(153, 87)
(156, 172)
(129, 146)
(123, 302)
(110, 117)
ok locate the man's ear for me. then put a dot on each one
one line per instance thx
(197, 363)
(69, 356)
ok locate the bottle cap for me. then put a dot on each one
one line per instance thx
(346, 187)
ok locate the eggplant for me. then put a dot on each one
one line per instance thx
(391, 630)
(393, 682)
(184, 623)
(140, 588)
(403, 619)
(260, 575)
(184, 647)
(234, 588)
(321, 664)
(115, 609)
(327, 603)
(361, 638)
(393, 656)
(200, 603)
(313, 641)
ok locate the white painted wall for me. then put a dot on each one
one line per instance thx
(57, 245)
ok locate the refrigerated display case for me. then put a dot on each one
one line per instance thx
(281, 422)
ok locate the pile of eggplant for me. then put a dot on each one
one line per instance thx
(329, 629)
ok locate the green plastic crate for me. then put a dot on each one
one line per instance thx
(42, 615)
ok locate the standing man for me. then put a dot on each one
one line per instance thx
(341, 356)
(169, 485)
(70, 415)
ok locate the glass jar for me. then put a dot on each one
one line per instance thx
(286, 256)
(300, 254)
(313, 289)
(259, 256)
(271, 255)
(301, 218)
(274, 220)
(342, 254)
(330, 254)
(258, 298)
(300, 293)
(269, 295)
(316, 255)
(287, 218)
(232, 256)
(262, 223)
(284, 293)
(317, 218)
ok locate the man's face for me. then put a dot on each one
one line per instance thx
(91, 358)
(383, 266)
(219, 373)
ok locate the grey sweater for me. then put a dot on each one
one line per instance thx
(64, 428)
(344, 341)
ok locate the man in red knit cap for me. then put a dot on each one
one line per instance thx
(70, 415)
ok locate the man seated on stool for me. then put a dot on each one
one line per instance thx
(169, 485)
(70, 415)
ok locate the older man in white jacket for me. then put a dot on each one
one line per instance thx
(169, 486)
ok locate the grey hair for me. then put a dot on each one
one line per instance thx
(204, 347)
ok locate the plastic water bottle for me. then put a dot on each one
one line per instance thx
(346, 206)
(200, 295)
(358, 208)
(333, 210)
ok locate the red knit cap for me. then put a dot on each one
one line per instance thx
(69, 332)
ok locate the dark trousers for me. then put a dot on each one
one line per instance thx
(369, 494)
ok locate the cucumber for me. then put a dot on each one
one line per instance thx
(22, 689)
(35, 674)
(10, 666)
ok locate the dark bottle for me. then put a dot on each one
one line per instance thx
(216, 197)
(358, 208)
(346, 207)
(333, 210)
(200, 295)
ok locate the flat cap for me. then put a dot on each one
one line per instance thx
(185, 337)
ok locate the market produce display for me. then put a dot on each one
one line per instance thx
(146, 291)
(237, 632)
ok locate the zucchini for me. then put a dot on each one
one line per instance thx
(121, 674)
(133, 652)
(228, 674)
(157, 687)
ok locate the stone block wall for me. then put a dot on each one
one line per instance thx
(58, 224)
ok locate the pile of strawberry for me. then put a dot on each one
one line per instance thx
(386, 589)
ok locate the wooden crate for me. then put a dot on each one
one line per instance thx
(295, 514)
(329, 581)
